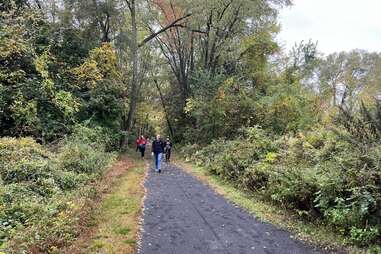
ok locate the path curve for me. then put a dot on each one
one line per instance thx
(184, 216)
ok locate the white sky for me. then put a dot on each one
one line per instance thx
(337, 25)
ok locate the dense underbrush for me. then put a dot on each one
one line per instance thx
(323, 175)
(43, 191)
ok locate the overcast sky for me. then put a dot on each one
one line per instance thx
(337, 25)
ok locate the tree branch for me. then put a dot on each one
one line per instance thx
(38, 4)
(172, 24)
(129, 5)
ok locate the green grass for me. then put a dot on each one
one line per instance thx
(312, 233)
(123, 231)
(119, 213)
(130, 242)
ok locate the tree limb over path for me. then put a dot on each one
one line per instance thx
(172, 24)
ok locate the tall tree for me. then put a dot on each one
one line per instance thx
(134, 46)
(345, 77)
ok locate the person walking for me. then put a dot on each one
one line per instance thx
(168, 149)
(142, 142)
(157, 151)
(137, 144)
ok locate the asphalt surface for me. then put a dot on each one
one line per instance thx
(184, 216)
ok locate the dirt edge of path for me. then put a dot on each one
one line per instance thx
(141, 220)
(102, 188)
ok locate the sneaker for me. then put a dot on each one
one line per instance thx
(159, 171)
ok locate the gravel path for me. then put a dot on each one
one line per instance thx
(184, 216)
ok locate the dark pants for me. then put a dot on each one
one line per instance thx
(168, 154)
(142, 150)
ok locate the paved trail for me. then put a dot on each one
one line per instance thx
(184, 216)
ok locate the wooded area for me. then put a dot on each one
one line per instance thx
(80, 79)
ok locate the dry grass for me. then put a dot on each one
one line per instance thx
(119, 214)
(114, 224)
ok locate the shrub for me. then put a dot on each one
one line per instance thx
(256, 177)
(84, 152)
(19, 205)
(99, 137)
(293, 187)
(70, 180)
(82, 158)
(35, 188)
(324, 174)
(12, 149)
(188, 151)
(55, 227)
(24, 170)
(364, 236)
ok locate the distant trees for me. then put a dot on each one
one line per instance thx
(217, 65)
(348, 77)
(281, 92)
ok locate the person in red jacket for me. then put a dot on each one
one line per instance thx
(137, 144)
(141, 145)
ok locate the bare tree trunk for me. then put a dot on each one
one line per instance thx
(134, 81)
(164, 108)
(134, 55)
(54, 11)
(334, 94)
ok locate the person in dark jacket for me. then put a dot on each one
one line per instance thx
(168, 149)
(158, 147)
